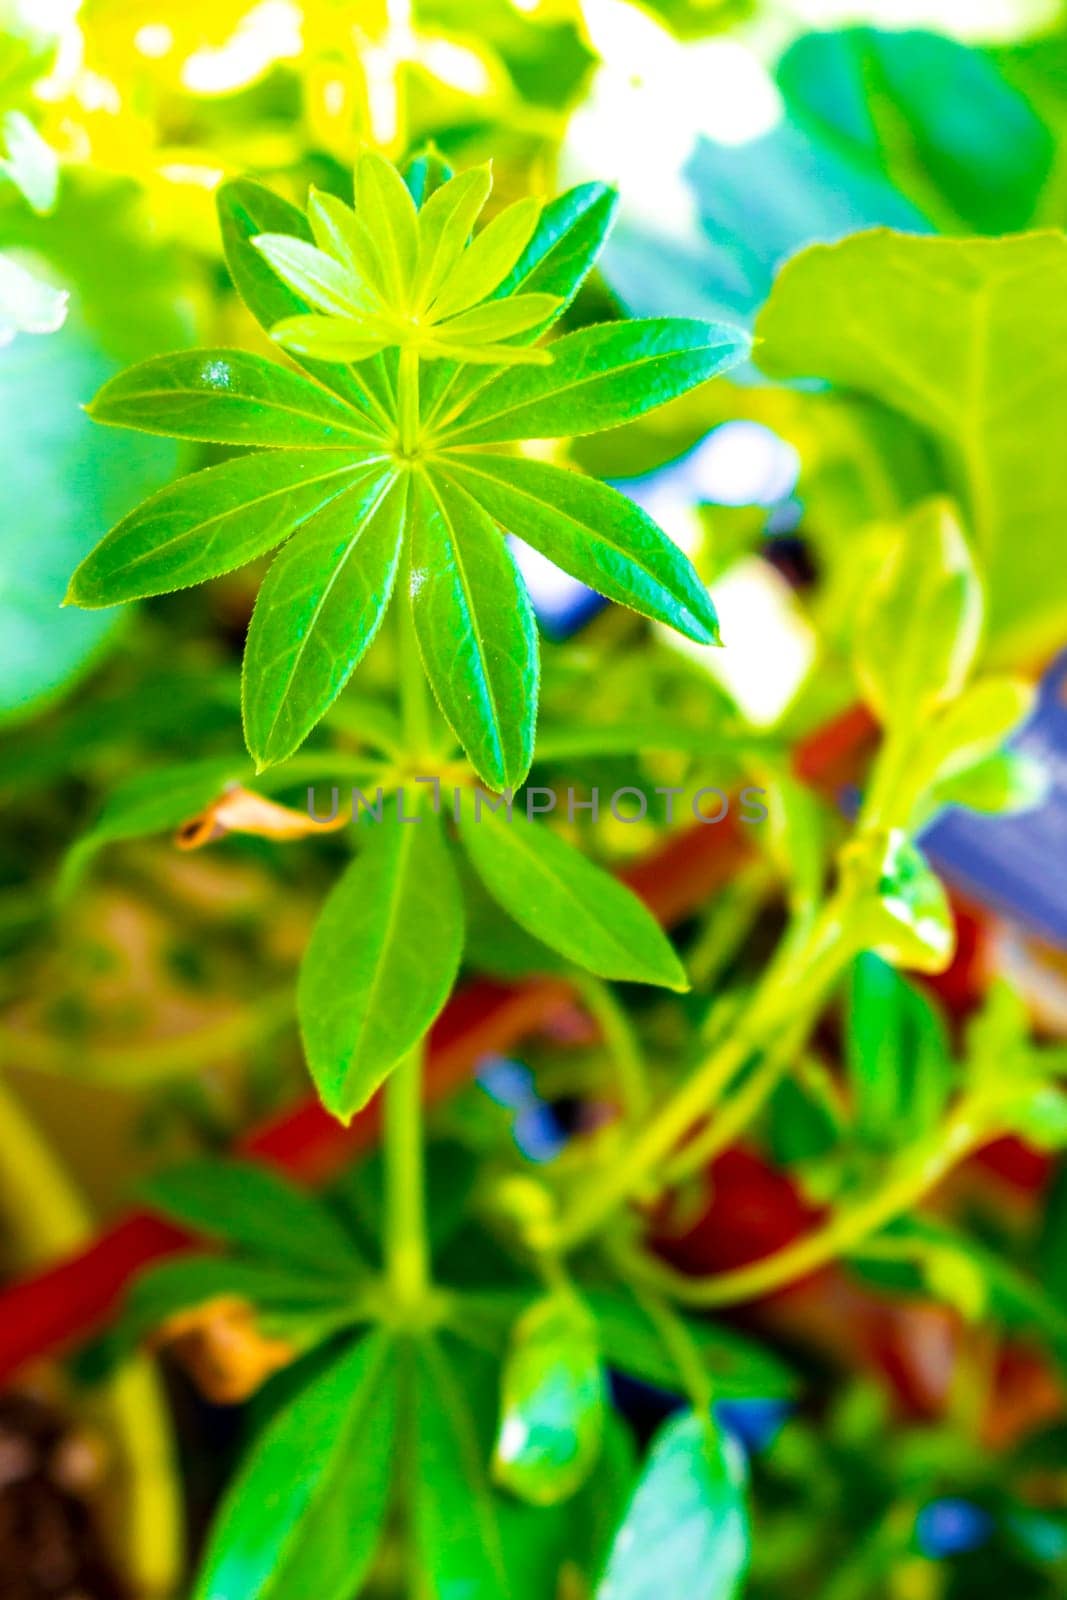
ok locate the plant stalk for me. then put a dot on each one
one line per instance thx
(406, 1247)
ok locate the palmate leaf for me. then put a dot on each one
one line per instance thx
(382, 960)
(212, 522)
(282, 1532)
(592, 532)
(246, 210)
(318, 611)
(254, 1210)
(230, 397)
(475, 628)
(599, 378)
(564, 900)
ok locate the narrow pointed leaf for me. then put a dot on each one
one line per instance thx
(599, 378)
(489, 259)
(254, 1210)
(567, 902)
(386, 209)
(500, 319)
(331, 338)
(211, 522)
(284, 1533)
(567, 240)
(552, 1402)
(476, 630)
(483, 355)
(343, 235)
(445, 224)
(686, 1530)
(458, 1530)
(318, 610)
(228, 397)
(382, 959)
(426, 172)
(246, 210)
(310, 273)
(594, 533)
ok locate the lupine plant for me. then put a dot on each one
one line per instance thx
(447, 1318)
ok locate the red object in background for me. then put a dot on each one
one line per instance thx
(48, 1311)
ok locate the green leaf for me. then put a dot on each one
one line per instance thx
(593, 533)
(599, 377)
(284, 1532)
(381, 961)
(897, 1052)
(918, 629)
(195, 1280)
(552, 1402)
(1039, 1115)
(972, 727)
(211, 522)
(488, 259)
(332, 338)
(567, 240)
(426, 172)
(686, 1531)
(956, 334)
(318, 610)
(385, 206)
(738, 1368)
(564, 900)
(312, 275)
(445, 223)
(499, 319)
(346, 238)
(1003, 784)
(254, 1210)
(229, 397)
(246, 210)
(152, 802)
(457, 1517)
(906, 917)
(476, 630)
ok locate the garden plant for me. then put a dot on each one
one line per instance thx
(644, 1238)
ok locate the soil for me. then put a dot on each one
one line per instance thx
(50, 1548)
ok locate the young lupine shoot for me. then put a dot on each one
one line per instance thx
(420, 339)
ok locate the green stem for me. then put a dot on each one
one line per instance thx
(621, 1041)
(908, 1183)
(408, 400)
(407, 1254)
(811, 970)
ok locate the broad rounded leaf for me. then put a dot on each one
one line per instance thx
(318, 610)
(382, 959)
(598, 378)
(686, 1531)
(962, 336)
(312, 1495)
(476, 630)
(897, 1051)
(593, 533)
(229, 397)
(552, 1402)
(564, 900)
(210, 523)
